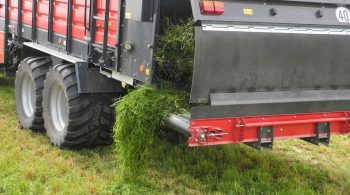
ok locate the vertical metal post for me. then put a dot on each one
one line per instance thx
(105, 33)
(85, 20)
(6, 29)
(34, 9)
(119, 31)
(19, 20)
(50, 19)
(92, 29)
(69, 26)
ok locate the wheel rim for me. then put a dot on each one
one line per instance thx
(28, 99)
(58, 105)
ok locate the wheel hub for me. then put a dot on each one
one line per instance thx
(28, 99)
(58, 108)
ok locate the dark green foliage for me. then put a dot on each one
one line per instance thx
(175, 53)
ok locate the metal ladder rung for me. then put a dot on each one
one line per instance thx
(99, 18)
(99, 45)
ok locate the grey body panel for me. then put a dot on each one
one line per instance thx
(234, 62)
(139, 10)
(287, 12)
(141, 36)
(90, 80)
(252, 73)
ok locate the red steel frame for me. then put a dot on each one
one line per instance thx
(60, 14)
(245, 129)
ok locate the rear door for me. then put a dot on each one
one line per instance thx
(289, 45)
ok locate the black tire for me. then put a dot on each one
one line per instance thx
(88, 118)
(31, 71)
(106, 120)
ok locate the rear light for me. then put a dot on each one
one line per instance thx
(219, 7)
(212, 7)
(207, 7)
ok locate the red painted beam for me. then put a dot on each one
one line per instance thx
(245, 129)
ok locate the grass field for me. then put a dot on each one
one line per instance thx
(30, 165)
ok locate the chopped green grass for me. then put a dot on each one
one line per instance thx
(138, 116)
(175, 53)
(30, 165)
(151, 160)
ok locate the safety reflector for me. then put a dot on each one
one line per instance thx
(212, 7)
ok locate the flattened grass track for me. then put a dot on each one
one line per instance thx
(30, 165)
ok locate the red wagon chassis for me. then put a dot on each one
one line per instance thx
(261, 131)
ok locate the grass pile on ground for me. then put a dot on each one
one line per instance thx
(140, 113)
(138, 118)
